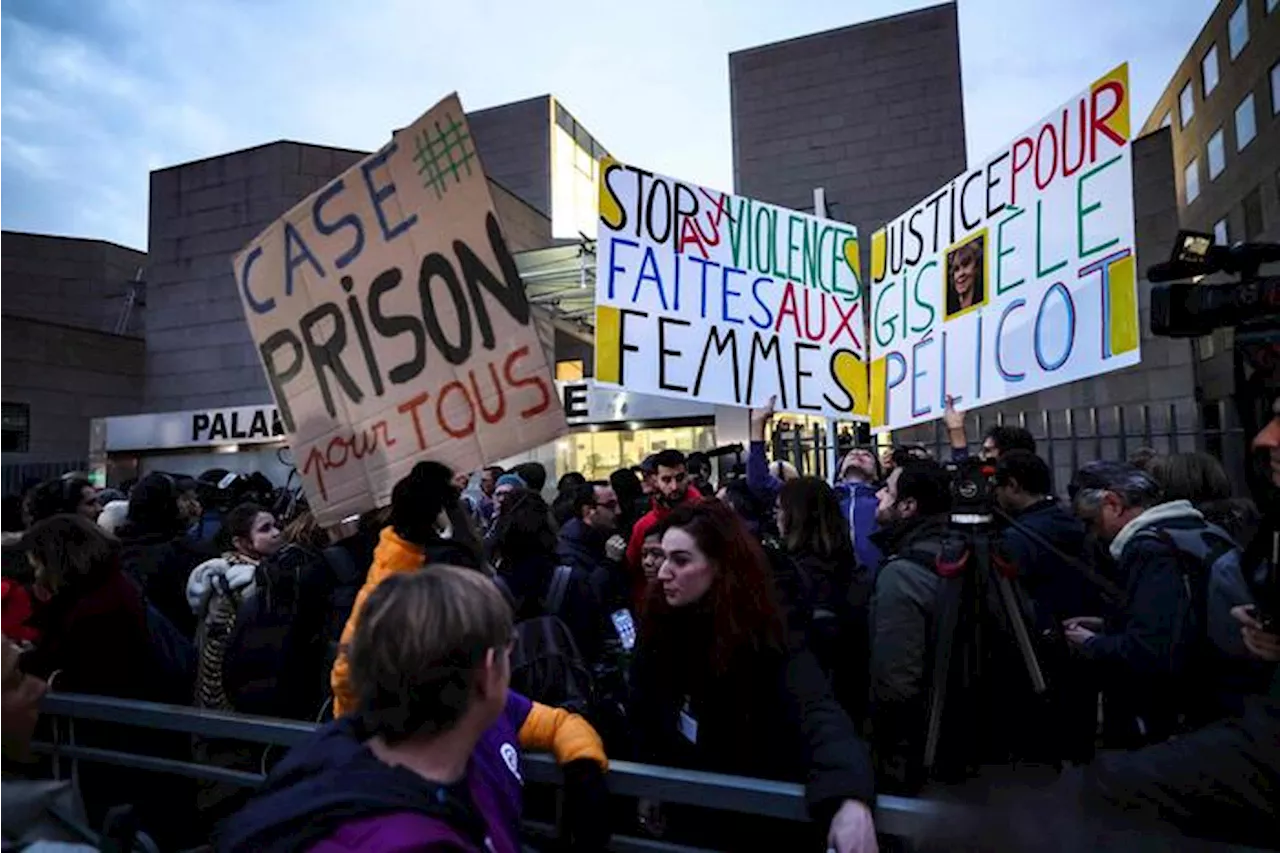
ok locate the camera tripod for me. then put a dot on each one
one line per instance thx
(969, 578)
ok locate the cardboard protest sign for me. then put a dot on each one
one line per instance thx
(702, 295)
(1016, 276)
(393, 325)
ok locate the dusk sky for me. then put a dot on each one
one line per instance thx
(96, 94)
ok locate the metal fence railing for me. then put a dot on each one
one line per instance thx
(15, 474)
(896, 816)
(1065, 438)
(906, 819)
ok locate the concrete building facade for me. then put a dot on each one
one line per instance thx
(72, 342)
(1221, 108)
(872, 113)
(199, 353)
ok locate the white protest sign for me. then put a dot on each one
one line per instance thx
(702, 295)
(1016, 276)
(393, 325)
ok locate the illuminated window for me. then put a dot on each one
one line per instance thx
(598, 454)
(1191, 181)
(1238, 28)
(1246, 124)
(575, 176)
(1220, 235)
(1186, 105)
(1209, 70)
(1217, 156)
(16, 433)
(567, 371)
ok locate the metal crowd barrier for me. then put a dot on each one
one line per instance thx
(901, 817)
(896, 816)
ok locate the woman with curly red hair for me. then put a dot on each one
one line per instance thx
(717, 686)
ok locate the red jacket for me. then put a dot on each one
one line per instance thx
(635, 548)
(16, 611)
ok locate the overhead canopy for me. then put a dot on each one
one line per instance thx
(562, 280)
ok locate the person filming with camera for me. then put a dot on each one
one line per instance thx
(1221, 780)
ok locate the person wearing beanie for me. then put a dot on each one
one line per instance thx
(428, 525)
(507, 484)
(512, 480)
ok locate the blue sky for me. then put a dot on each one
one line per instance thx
(94, 94)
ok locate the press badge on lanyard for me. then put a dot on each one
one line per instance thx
(688, 724)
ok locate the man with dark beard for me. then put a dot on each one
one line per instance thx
(671, 488)
(913, 515)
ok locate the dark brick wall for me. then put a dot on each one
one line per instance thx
(67, 376)
(66, 280)
(871, 112)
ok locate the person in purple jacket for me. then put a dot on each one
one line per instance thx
(856, 488)
(430, 758)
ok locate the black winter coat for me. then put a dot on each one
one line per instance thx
(1151, 658)
(1058, 589)
(581, 546)
(161, 564)
(771, 715)
(833, 596)
(529, 580)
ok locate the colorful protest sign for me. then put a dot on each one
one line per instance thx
(1016, 276)
(701, 295)
(393, 325)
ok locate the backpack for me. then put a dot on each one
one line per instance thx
(546, 665)
(1214, 578)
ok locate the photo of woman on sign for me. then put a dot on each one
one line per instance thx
(965, 279)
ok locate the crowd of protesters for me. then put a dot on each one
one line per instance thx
(761, 623)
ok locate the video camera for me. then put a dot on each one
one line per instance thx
(1187, 309)
(971, 487)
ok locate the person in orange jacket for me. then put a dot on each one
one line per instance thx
(424, 504)
(412, 541)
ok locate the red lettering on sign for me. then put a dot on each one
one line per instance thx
(788, 307)
(691, 233)
(1026, 145)
(535, 380)
(411, 406)
(1098, 123)
(341, 449)
(455, 387)
(845, 324)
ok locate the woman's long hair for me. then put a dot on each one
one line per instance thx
(743, 605)
(812, 520)
(72, 553)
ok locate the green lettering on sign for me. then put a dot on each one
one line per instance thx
(1084, 211)
(1002, 252)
